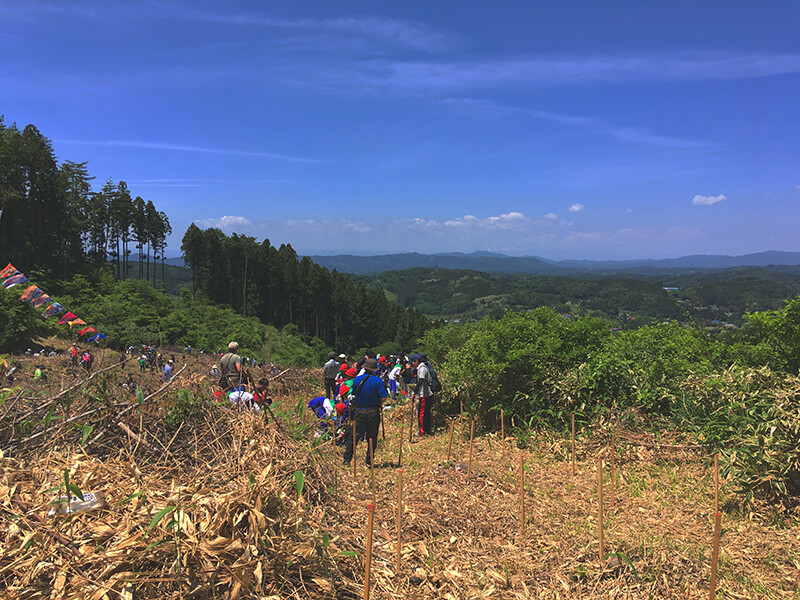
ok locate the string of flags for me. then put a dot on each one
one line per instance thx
(10, 277)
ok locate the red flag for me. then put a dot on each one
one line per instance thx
(87, 330)
(67, 318)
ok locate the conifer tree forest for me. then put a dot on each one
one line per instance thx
(53, 220)
(258, 279)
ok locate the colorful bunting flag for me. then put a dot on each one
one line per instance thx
(96, 338)
(30, 293)
(9, 271)
(67, 318)
(52, 310)
(15, 280)
(43, 299)
(76, 322)
(87, 330)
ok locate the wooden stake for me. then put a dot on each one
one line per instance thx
(573, 444)
(521, 493)
(399, 514)
(716, 483)
(369, 552)
(371, 470)
(355, 437)
(613, 468)
(600, 504)
(503, 433)
(450, 443)
(715, 557)
(471, 437)
(400, 452)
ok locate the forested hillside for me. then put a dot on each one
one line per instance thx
(723, 296)
(258, 279)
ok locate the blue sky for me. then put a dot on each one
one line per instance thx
(555, 129)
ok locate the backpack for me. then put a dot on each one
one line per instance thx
(436, 385)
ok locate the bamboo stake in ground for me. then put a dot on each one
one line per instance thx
(369, 552)
(471, 437)
(716, 483)
(573, 444)
(502, 433)
(371, 469)
(715, 557)
(613, 468)
(600, 505)
(450, 443)
(521, 493)
(400, 452)
(399, 514)
(355, 462)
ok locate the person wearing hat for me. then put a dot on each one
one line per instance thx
(232, 371)
(419, 362)
(369, 392)
(329, 372)
(166, 374)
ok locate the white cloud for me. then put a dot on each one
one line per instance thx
(576, 208)
(699, 200)
(226, 222)
(550, 216)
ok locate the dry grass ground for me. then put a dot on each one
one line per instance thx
(239, 528)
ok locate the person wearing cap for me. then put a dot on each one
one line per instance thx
(233, 373)
(166, 374)
(419, 362)
(329, 371)
(368, 392)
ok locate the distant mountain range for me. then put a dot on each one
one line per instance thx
(491, 262)
(500, 263)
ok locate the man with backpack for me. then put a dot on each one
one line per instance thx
(233, 374)
(369, 392)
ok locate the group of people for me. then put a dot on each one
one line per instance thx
(234, 378)
(84, 357)
(356, 395)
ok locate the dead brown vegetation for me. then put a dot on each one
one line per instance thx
(239, 528)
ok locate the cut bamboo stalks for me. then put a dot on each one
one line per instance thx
(368, 564)
(712, 592)
(600, 505)
(521, 494)
(399, 516)
(573, 444)
(450, 443)
(471, 438)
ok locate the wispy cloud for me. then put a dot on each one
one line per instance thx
(180, 183)
(594, 124)
(576, 208)
(187, 148)
(405, 33)
(699, 200)
(578, 70)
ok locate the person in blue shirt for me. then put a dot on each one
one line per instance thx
(369, 392)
